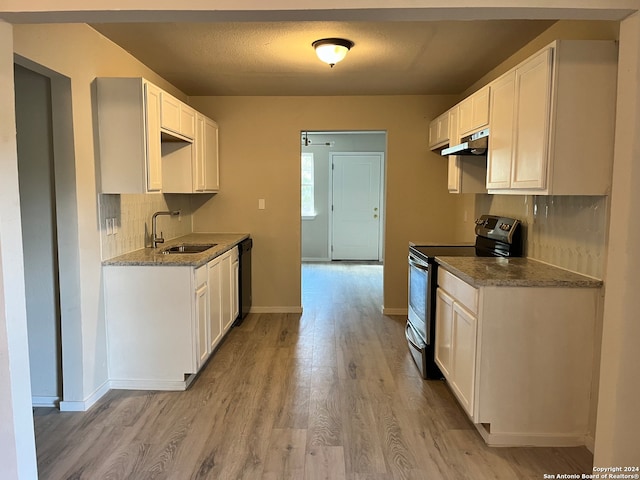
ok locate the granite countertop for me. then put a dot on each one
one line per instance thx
(514, 272)
(154, 257)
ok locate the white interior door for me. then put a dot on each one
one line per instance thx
(356, 207)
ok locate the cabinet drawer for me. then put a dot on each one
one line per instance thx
(461, 291)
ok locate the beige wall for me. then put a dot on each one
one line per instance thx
(260, 158)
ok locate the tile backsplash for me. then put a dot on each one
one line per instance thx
(566, 231)
(133, 212)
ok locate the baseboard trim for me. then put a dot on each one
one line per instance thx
(90, 401)
(590, 443)
(311, 260)
(44, 402)
(530, 439)
(394, 311)
(164, 385)
(292, 309)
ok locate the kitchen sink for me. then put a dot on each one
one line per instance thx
(188, 248)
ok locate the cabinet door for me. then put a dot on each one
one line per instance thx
(187, 121)
(225, 291)
(215, 304)
(439, 131)
(235, 289)
(454, 174)
(154, 155)
(453, 170)
(531, 141)
(211, 179)
(206, 157)
(202, 316)
(433, 133)
(170, 113)
(199, 164)
(444, 333)
(474, 112)
(500, 154)
(464, 356)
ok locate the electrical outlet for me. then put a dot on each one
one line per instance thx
(261, 204)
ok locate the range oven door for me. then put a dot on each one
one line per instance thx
(418, 297)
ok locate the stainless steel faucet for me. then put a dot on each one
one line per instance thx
(155, 239)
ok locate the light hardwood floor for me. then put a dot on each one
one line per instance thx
(332, 394)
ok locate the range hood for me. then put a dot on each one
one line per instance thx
(475, 144)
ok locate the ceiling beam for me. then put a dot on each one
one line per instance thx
(104, 11)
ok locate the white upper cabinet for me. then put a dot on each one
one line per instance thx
(206, 178)
(129, 135)
(154, 151)
(187, 121)
(552, 122)
(170, 113)
(465, 174)
(474, 112)
(439, 131)
(499, 155)
(177, 117)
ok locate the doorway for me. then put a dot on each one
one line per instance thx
(48, 209)
(39, 234)
(342, 198)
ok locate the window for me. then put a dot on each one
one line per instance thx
(308, 207)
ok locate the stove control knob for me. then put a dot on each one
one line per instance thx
(505, 226)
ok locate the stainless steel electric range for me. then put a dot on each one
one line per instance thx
(495, 237)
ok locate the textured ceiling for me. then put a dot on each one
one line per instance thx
(276, 58)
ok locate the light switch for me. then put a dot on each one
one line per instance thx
(109, 226)
(261, 204)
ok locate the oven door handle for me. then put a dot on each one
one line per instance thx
(410, 338)
(418, 265)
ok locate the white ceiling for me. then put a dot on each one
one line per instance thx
(276, 58)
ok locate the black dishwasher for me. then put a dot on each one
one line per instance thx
(244, 279)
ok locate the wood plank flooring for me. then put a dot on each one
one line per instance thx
(332, 394)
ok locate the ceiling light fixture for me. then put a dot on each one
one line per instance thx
(332, 50)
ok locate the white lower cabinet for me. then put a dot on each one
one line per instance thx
(235, 284)
(202, 315)
(215, 304)
(163, 323)
(519, 360)
(456, 339)
(225, 292)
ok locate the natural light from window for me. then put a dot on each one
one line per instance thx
(308, 207)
